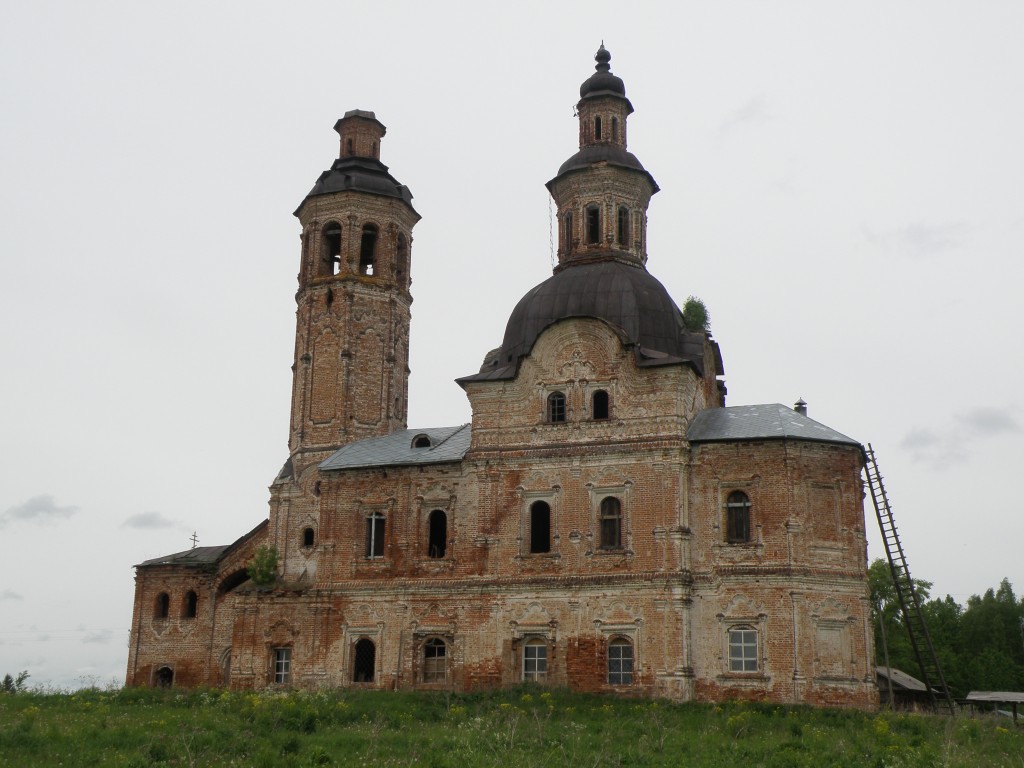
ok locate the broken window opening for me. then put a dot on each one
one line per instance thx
(535, 660)
(568, 232)
(368, 249)
(348, 146)
(438, 533)
(282, 666)
(611, 523)
(435, 668)
(540, 527)
(556, 407)
(234, 580)
(308, 537)
(593, 224)
(421, 441)
(615, 129)
(620, 662)
(737, 518)
(163, 606)
(330, 259)
(164, 677)
(597, 128)
(402, 262)
(375, 535)
(191, 604)
(622, 232)
(743, 649)
(364, 661)
(600, 404)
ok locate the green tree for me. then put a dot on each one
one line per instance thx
(263, 568)
(14, 685)
(992, 640)
(695, 315)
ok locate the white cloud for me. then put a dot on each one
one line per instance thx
(10, 594)
(753, 112)
(952, 444)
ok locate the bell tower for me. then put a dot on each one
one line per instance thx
(602, 192)
(351, 366)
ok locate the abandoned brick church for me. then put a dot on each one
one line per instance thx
(605, 523)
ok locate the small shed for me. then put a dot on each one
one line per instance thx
(1015, 698)
(907, 691)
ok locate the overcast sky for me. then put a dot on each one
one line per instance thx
(841, 184)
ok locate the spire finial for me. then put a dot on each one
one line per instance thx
(602, 57)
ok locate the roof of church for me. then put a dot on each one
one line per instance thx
(628, 298)
(760, 422)
(195, 556)
(360, 174)
(447, 444)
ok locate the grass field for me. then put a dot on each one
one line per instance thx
(520, 727)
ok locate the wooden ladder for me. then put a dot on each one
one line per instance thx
(906, 593)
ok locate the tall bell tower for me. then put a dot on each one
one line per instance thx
(351, 366)
(602, 192)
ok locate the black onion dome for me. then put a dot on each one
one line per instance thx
(628, 298)
(603, 82)
(360, 174)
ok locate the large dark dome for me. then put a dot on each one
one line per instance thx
(628, 298)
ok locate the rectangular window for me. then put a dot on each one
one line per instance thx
(282, 666)
(743, 650)
(375, 535)
(535, 661)
(620, 663)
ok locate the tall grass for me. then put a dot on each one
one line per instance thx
(130, 728)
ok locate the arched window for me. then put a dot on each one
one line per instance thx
(535, 660)
(737, 517)
(191, 605)
(421, 441)
(742, 649)
(364, 661)
(163, 606)
(600, 404)
(402, 262)
(330, 249)
(556, 407)
(622, 231)
(615, 129)
(620, 662)
(438, 534)
(597, 128)
(611, 523)
(375, 535)
(593, 224)
(435, 668)
(308, 537)
(540, 527)
(368, 249)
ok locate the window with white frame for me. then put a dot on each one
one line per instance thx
(282, 666)
(535, 660)
(743, 649)
(375, 535)
(620, 662)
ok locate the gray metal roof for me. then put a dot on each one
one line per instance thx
(901, 679)
(190, 557)
(760, 422)
(447, 444)
(997, 696)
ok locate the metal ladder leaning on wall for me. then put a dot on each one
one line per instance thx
(906, 593)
